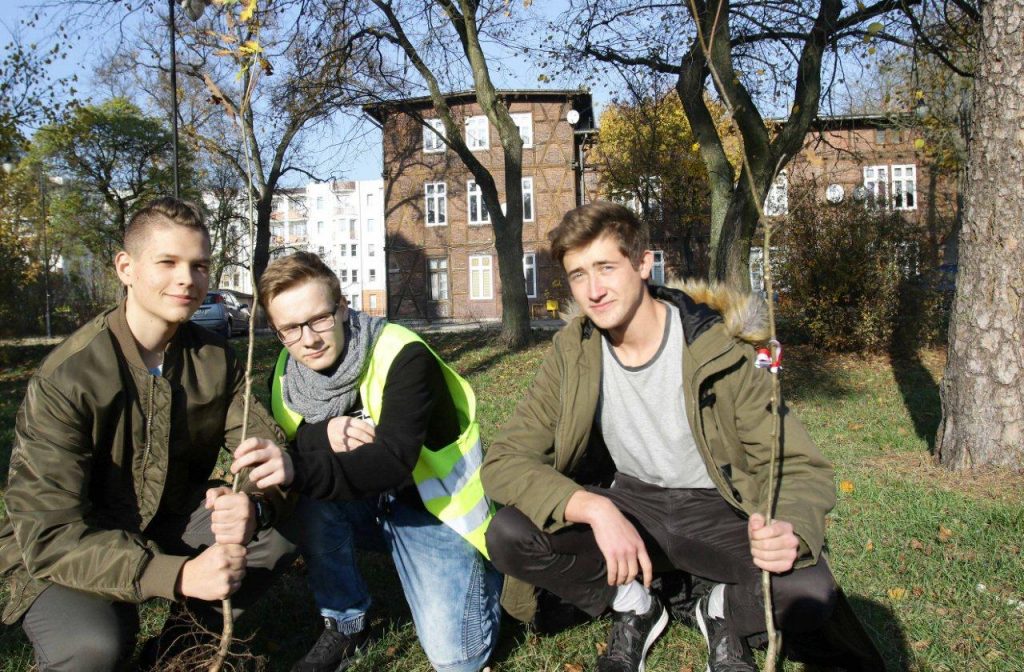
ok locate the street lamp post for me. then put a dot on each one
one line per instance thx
(194, 9)
(174, 95)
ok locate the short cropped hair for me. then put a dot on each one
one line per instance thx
(159, 212)
(295, 269)
(583, 225)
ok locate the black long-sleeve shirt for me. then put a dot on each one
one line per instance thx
(417, 410)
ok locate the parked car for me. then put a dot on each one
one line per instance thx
(222, 312)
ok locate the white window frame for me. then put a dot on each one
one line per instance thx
(530, 265)
(902, 176)
(481, 266)
(373, 302)
(478, 135)
(524, 121)
(658, 268)
(436, 194)
(371, 250)
(440, 271)
(876, 182)
(475, 194)
(890, 185)
(372, 277)
(433, 143)
(528, 189)
(355, 276)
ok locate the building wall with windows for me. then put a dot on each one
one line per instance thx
(880, 161)
(342, 222)
(874, 158)
(442, 262)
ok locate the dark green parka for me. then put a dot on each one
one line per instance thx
(101, 445)
(727, 401)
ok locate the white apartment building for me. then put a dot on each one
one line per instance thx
(342, 222)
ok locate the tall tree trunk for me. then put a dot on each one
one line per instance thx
(261, 250)
(508, 242)
(730, 254)
(983, 388)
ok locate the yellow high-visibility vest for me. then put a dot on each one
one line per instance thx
(448, 479)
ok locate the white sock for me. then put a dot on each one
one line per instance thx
(716, 602)
(632, 597)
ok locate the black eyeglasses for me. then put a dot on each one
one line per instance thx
(319, 324)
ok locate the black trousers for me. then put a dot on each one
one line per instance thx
(695, 530)
(73, 630)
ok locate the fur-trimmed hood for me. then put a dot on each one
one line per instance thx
(744, 314)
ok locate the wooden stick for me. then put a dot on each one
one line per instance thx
(227, 634)
(774, 636)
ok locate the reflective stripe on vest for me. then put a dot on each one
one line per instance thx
(447, 479)
(286, 418)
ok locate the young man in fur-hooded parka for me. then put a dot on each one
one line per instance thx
(644, 438)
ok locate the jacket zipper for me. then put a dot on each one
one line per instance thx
(149, 426)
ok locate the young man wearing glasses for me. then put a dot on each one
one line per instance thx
(387, 450)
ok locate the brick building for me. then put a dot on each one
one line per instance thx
(440, 245)
(878, 160)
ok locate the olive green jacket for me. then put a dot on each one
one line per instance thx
(728, 404)
(101, 445)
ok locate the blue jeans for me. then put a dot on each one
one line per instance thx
(452, 591)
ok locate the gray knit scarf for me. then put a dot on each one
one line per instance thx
(318, 396)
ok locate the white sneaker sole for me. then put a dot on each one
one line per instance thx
(659, 627)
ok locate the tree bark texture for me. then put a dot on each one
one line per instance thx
(983, 388)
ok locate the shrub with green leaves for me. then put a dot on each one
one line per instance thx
(846, 272)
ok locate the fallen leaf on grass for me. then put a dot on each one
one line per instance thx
(601, 648)
(921, 645)
(573, 667)
(846, 486)
(855, 426)
(917, 591)
(902, 431)
(391, 651)
(916, 545)
(945, 534)
(897, 594)
(870, 546)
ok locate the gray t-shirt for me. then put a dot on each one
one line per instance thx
(642, 414)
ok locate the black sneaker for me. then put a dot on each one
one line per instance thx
(631, 636)
(727, 651)
(334, 651)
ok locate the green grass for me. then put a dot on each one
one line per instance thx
(910, 542)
